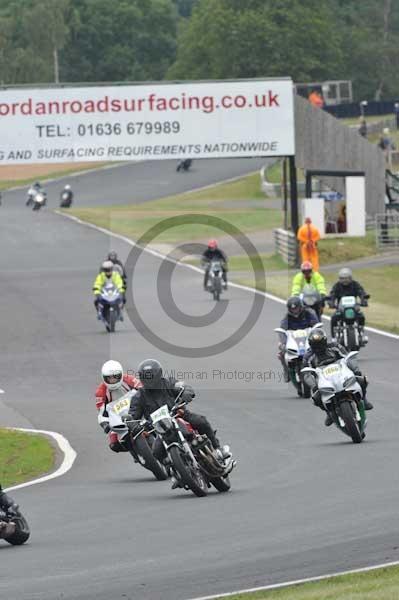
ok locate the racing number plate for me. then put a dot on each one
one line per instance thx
(161, 413)
(121, 405)
(331, 370)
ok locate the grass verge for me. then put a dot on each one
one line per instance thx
(23, 456)
(379, 584)
(382, 283)
(240, 203)
(339, 250)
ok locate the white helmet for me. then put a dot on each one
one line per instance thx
(67, 187)
(112, 374)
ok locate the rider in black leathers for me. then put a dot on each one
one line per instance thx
(322, 353)
(157, 391)
(347, 286)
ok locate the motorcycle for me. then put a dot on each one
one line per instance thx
(110, 306)
(31, 194)
(295, 349)
(341, 395)
(39, 200)
(184, 165)
(14, 528)
(312, 299)
(66, 200)
(195, 464)
(141, 443)
(348, 332)
(215, 279)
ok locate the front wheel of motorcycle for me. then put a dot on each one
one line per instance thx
(190, 477)
(113, 316)
(21, 533)
(351, 425)
(352, 345)
(151, 463)
(222, 484)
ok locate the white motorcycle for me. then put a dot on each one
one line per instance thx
(342, 395)
(140, 444)
(39, 200)
(296, 347)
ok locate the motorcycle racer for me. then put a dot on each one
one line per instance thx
(156, 391)
(322, 353)
(114, 385)
(297, 317)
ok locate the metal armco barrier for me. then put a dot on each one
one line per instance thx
(387, 230)
(286, 246)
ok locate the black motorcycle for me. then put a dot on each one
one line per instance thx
(14, 528)
(66, 200)
(184, 165)
(348, 332)
(193, 461)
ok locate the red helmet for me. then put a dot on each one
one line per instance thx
(212, 244)
(306, 266)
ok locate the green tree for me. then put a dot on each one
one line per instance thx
(236, 38)
(120, 40)
(370, 46)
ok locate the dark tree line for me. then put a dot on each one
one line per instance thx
(135, 40)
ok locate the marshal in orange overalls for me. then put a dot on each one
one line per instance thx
(308, 235)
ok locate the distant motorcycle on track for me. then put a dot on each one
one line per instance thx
(39, 200)
(184, 165)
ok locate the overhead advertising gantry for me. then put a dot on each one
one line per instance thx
(204, 119)
(214, 119)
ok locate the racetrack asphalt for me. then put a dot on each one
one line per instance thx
(304, 499)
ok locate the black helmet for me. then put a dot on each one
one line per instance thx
(318, 340)
(294, 306)
(112, 256)
(150, 374)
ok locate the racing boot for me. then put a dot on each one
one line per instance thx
(328, 420)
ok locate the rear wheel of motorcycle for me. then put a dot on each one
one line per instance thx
(352, 339)
(306, 390)
(222, 484)
(195, 482)
(151, 463)
(21, 533)
(350, 422)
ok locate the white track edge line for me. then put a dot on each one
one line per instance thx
(277, 586)
(198, 270)
(66, 465)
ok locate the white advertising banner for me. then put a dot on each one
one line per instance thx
(150, 121)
